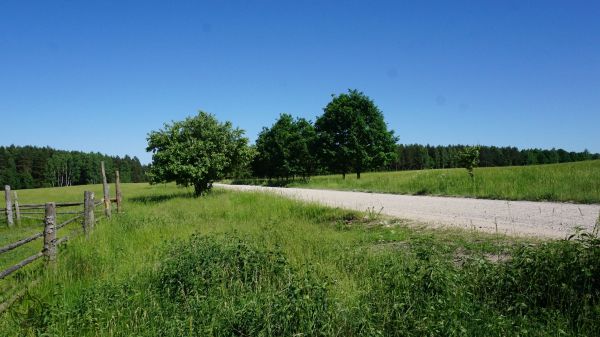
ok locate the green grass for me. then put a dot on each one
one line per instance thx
(33, 223)
(252, 264)
(571, 182)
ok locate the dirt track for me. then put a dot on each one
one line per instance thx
(541, 219)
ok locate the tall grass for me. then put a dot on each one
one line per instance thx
(251, 264)
(576, 182)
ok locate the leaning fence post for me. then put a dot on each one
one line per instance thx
(118, 190)
(105, 190)
(49, 250)
(9, 211)
(17, 209)
(88, 212)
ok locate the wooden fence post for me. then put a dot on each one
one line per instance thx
(88, 212)
(118, 191)
(9, 211)
(17, 209)
(105, 190)
(49, 250)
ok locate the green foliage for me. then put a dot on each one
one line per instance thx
(197, 151)
(266, 296)
(468, 158)
(285, 149)
(24, 167)
(418, 157)
(560, 276)
(352, 135)
(257, 265)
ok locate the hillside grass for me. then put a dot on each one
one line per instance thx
(253, 264)
(569, 182)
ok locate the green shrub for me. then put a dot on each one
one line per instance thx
(562, 276)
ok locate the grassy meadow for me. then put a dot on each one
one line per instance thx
(570, 182)
(253, 264)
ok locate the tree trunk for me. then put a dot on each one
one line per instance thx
(357, 174)
(344, 175)
(198, 189)
(202, 187)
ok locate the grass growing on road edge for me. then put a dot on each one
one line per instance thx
(252, 264)
(577, 182)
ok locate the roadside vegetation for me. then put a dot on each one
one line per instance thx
(252, 264)
(569, 182)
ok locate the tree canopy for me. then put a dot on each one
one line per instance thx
(285, 149)
(469, 159)
(197, 151)
(33, 167)
(352, 135)
(417, 157)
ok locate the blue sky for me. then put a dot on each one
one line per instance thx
(99, 76)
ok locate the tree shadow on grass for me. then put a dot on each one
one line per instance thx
(155, 199)
(159, 198)
(266, 182)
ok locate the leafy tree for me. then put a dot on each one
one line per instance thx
(469, 158)
(272, 146)
(285, 149)
(352, 134)
(196, 151)
(303, 148)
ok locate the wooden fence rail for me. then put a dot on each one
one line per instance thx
(49, 234)
(21, 242)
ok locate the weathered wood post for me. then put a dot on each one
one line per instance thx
(49, 250)
(118, 191)
(88, 212)
(17, 209)
(9, 211)
(105, 190)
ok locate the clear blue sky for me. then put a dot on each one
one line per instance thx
(99, 76)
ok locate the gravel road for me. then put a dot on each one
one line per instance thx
(524, 218)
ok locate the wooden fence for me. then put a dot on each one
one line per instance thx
(49, 233)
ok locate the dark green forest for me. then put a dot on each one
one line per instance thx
(418, 157)
(32, 167)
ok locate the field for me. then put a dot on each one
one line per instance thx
(251, 264)
(570, 182)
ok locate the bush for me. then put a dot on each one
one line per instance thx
(561, 276)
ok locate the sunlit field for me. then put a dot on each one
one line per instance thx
(252, 264)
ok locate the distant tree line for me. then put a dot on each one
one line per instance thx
(417, 157)
(32, 167)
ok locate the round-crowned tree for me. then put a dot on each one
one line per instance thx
(352, 135)
(285, 149)
(196, 152)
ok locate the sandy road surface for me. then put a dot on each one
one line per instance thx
(542, 219)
